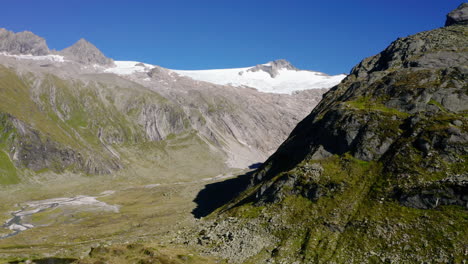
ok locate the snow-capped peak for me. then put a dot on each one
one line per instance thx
(278, 76)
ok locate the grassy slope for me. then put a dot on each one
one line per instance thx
(357, 223)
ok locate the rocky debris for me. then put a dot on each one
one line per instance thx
(230, 238)
(25, 43)
(273, 67)
(85, 52)
(436, 194)
(458, 16)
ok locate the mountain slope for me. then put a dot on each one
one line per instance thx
(376, 173)
(77, 111)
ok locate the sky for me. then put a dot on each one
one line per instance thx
(330, 36)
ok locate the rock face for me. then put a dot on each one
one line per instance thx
(273, 67)
(86, 53)
(378, 167)
(458, 16)
(22, 43)
(29, 150)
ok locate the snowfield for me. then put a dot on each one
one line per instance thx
(286, 82)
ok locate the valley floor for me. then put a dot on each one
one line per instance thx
(63, 218)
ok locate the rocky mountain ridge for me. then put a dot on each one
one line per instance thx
(22, 43)
(376, 173)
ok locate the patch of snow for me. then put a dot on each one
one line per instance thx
(129, 67)
(53, 58)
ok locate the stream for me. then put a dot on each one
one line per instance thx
(18, 223)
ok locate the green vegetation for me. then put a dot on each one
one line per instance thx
(370, 104)
(139, 253)
(8, 174)
(434, 102)
(357, 221)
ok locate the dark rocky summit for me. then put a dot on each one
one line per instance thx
(273, 67)
(22, 43)
(86, 53)
(378, 172)
(458, 16)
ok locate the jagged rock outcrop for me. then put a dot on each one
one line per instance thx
(22, 43)
(458, 16)
(273, 67)
(378, 167)
(85, 52)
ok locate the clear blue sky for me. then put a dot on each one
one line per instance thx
(326, 35)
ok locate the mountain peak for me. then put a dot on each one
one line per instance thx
(85, 52)
(84, 42)
(24, 42)
(282, 64)
(458, 16)
(273, 67)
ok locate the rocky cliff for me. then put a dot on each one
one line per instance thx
(377, 173)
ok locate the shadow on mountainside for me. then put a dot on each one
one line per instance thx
(217, 194)
(255, 165)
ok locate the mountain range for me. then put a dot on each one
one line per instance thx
(106, 161)
(77, 110)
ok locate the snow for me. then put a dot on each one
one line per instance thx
(53, 58)
(129, 67)
(286, 82)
